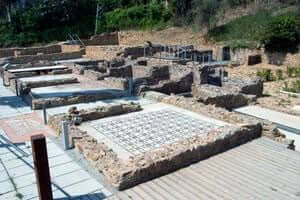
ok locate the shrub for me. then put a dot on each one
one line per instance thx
(280, 34)
(266, 75)
(140, 16)
(294, 88)
(279, 74)
(293, 72)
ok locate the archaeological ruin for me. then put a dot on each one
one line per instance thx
(135, 112)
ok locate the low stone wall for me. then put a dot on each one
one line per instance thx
(38, 50)
(79, 67)
(9, 78)
(70, 48)
(117, 83)
(103, 39)
(219, 96)
(37, 103)
(276, 58)
(7, 52)
(122, 72)
(126, 173)
(140, 71)
(95, 75)
(60, 71)
(90, 114)
(193, 105)
(103, 52)
(176, 86)
(37, 84)
(10, 52)
(49, 57)
(250, 86)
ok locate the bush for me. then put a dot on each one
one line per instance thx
(46, 22)
(279, 74)
(247, 28)
(294, 88)
(280, 34)
(266, 75)
(293, 72)
(140, 16)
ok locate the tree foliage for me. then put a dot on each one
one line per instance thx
(281, 33)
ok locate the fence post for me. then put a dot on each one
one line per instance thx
(41, 166)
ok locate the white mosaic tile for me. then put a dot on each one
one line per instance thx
(142, 132)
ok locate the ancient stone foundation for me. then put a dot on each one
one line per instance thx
(126, 173)
(37, 103)
(123, 173)
(219, 96)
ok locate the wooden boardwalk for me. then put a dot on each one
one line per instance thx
(261, 169)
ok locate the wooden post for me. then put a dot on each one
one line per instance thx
(41, 166)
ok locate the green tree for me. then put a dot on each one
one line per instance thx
(281, 33)
(205, 13)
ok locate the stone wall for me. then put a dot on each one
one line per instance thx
(103, 52)
(140, 71)
(38, 50)
(123, 71)
(250, 86)
(176, 85)
(103, 39)
(219, 96)
(95, 75)
(126, 173)
(70, 48)
(193, 105)
(90, 114)
(10, 52)
(7, 52)
(49, 57)
(36, 84)
(277, 58)
(37, 103)
(117, 83)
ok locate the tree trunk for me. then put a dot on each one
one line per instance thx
(8, 13)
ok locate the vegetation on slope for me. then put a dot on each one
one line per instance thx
(261, 28)
(51, 20)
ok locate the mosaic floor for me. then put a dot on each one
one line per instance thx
(142, 132)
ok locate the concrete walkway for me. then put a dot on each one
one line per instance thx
(283, 120)
(287, 124)
(10, 104)
(17, 179)
(69, 180)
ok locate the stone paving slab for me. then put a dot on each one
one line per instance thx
(11, 105)
(55, 67)
(69, 180)
(19, 128)
(46, 78)
(71, 90)
(72, 60)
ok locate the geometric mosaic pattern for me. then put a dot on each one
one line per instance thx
(142, 132)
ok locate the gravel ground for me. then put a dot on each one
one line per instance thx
(272, 98)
